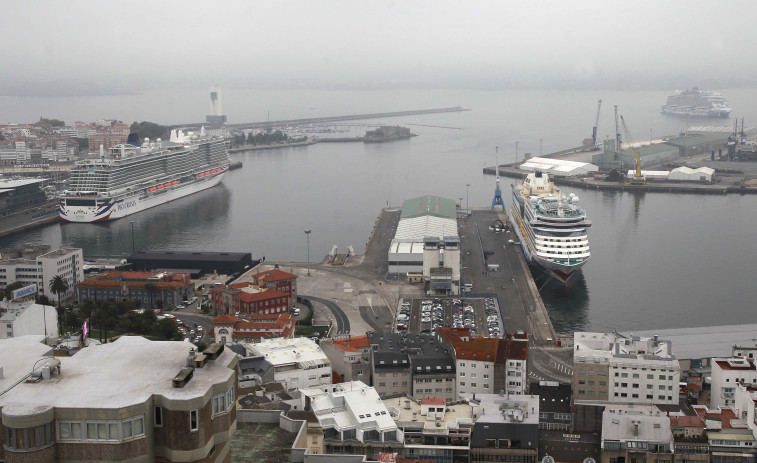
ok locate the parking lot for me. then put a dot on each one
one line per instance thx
(424, 315)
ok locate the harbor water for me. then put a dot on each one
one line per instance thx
(658, 260)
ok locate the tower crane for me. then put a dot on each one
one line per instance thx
(596, 124)
(638, 177)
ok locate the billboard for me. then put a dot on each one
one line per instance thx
(23, 292)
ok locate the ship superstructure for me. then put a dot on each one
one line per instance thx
(699, 103)
(129, 179)
(552, 229)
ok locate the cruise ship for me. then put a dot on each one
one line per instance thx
(552, 229)
(698, 103)
(129, 179)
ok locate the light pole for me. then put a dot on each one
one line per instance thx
(307, 234)
(132, 237)
(467, 204)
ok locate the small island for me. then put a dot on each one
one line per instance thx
(387, 133)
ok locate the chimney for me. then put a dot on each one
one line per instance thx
(191, 358)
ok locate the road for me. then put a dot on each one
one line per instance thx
(342, 322)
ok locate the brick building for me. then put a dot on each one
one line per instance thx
(278, 280)
(145, 287)
(244, 299)
(229, 328)
(130, 400)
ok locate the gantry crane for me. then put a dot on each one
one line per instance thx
(596, 124)
(638, 178)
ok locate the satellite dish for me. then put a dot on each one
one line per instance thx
(547, 459)
(590, 460)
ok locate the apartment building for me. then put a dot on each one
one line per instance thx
(297, 362)
(40, 269)
(350, 357)
(129, 400)
(636, 434)
(629, 369)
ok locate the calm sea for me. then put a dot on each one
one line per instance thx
(658, 261)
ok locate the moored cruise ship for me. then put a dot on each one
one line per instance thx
(697, 103)
(130, 179)
(552, 229)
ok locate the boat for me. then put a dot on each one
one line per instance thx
(551, 228)
(129, 179)
(698, 103)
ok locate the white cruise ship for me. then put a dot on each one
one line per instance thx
(130, 179)
(552, 229)
(697, 103)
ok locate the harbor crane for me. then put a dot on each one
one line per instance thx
(596, 124)
(638, 177)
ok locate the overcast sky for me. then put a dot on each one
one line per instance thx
(105, 46)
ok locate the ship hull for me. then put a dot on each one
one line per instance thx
(118, 207)
(704, 113)
(561, 272)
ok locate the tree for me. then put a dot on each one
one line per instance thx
(12, 287)
(58, 285)
(150, 288)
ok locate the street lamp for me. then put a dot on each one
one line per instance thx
(132, 237)
(307, 234)
(467, 205)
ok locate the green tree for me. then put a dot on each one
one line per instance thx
(166, 329)
(150, 288)
(58, 285)
(12, 287)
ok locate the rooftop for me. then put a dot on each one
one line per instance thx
(636, 427)
(706, 341)
(429, 206)
(114, 375)
(17, 357)
(352, 405)
(507, 408)
(281, 351)
(408, 410)
(274, 275)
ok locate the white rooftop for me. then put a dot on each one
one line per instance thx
(507, 408)
(625, 426)
(417, 228)
(352, 405)
(114, 375)
(7, 184)
(406, 247)
(621, 348)
(282, 351)
(17, 357)
(707, 341)
(556, 165)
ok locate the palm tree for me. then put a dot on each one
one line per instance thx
(58, 285)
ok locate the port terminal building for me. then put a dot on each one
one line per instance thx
(195, 263)
(426, 243)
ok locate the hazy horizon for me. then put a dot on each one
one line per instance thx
(73, 48)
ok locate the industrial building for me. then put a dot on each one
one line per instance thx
(16, 195)
(196, 263)
(559, 167)
(426, 242)
(687, 174)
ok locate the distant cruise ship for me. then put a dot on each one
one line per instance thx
(130, 179)
(551, 227)
(698, 103)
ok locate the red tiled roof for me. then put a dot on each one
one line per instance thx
(687, 421)
(229, 319)
(351, 344)
(136, 275)
(484, 349)
(725, 365)
(274, 275)
(433, 402)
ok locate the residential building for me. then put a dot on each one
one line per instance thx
(433, 429)
(129, 400)
(228, 329)
(628, 369)
(244, 299)
(280, 281)
(487, 365)
(146, 287)
(507, 429)
(28, 318)
(350, 357)
(554, 405)
(105, 136)
(689, 439)
(354, 419)
(731, 446)
(411, 364)
(727, 374)
(636, 434)
(297, 362)
(40, 269)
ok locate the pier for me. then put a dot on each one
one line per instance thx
(321, 120)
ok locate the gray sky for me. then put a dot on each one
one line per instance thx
(102, 46)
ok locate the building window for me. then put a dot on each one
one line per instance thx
(158, 416)
(193, 423)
